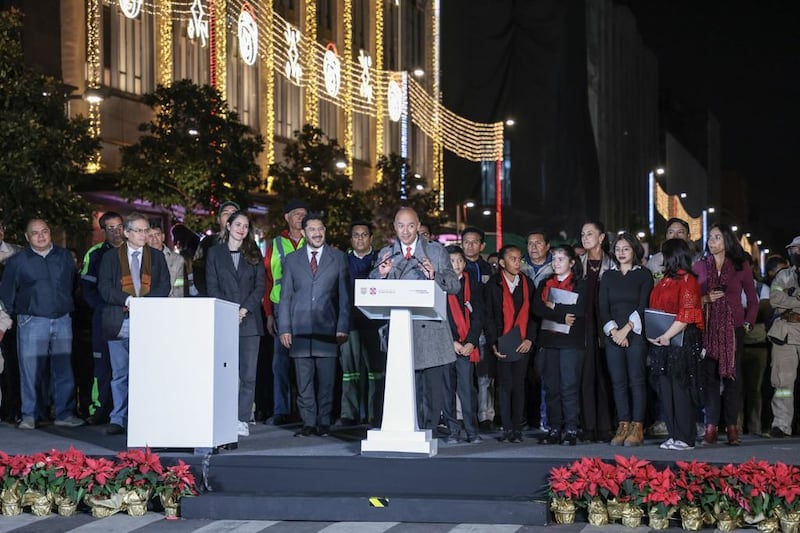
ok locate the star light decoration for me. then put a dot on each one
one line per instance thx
(130, 8)
(292, 69)
(248, 34)
(198, 26)
(332, 69)
(365, 89)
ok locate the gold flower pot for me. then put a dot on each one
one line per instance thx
(691, 518)
(769, 525)
(657, 520)
(11, 501)
(564, 510)
(170, 504)
(136, 502)
(597, 512)
(631, 515)
(790, 522)
(614, 509)
(103, 507)
(67, 508)
(41, 504)
(727, 523)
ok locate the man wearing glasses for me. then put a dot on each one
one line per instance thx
(131, 271)
(111, 224)
(363, 363)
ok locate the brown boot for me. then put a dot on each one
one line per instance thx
(622, 433)
(635, 435)
(733, 435)
(711, 435)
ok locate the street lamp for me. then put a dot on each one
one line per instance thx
(461, 214)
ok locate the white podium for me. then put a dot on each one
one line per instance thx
(401, 301)
(183, 379)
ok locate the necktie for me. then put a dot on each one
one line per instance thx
(313, 262)
(408, 253)
(135, 272)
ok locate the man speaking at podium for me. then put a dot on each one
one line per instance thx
(411, 257)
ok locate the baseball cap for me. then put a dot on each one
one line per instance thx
(291, 205)
(795, 242)
(228, 203)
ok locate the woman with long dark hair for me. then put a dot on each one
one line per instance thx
(508, 301)
(677, 367)
(724, 274)
(596, 397)
(235, 272)
(624, 295)
(561, 343)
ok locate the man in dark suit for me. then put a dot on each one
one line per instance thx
(132, 270)
(412, 257)
(313, 319)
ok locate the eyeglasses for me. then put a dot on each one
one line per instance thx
(360, 235)
(138, 230)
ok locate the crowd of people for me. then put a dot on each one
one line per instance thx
(571, 342)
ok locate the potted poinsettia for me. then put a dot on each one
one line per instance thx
(787, 495)
(602, 482)
(693, 482)
(728, 497)
(662, 498)
(175, 482)
(11, 472)
(68, 480)
(103, 495)
(138, 475)
(564, 489)
(634, 486)
(33, 479)
(759, 489)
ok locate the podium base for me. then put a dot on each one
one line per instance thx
(382, 443)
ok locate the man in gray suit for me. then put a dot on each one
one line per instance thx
(412, 257)
(313, 319)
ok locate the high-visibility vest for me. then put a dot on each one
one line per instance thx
(283, 246)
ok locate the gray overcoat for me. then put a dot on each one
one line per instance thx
(433, 340)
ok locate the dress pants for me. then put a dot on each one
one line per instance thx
(119, 350)
(730, 400)
(248, 363)
(315, 376)
(430, 385)
(562, 375)
(459, 380)
(281, 375)
(678, 408)
(102, 402)
(627, 369)
(511, 377)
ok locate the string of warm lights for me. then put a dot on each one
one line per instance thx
(165, 42)
(670, 206)
(349, 138)
(437, 152)
(93, 75)
(379, 94)
(312, 89)
(220, 48)
(268, 83)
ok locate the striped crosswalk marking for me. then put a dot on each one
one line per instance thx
(10, 523)
(485, 528)
(119, 523)
(361, 527)
(239, 526)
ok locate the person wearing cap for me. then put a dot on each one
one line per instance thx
(287, 242)
(177, 278)
(226, 209)
(784, 297)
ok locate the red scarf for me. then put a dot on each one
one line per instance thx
(719, 338)
(461, 315)
(553, 283)
(508, 308)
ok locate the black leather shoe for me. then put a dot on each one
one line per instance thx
(115, 429)
(486, 426)
(552, 437)
(324, 431)
(347, 422)
(97, 420)
(505, 436)
(516, 437)
(305, 431)
(570, 438)
(777, 433)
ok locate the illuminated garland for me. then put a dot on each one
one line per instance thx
(378, 86)
(312, 98)
(438, 153)
(670, 206)
(165, 42)
(93, 75)
(268, 84)
(220, 50)
(349, 137)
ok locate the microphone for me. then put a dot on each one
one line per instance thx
(398, 252)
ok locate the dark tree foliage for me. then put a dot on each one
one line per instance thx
(195, 154)
(43, 151)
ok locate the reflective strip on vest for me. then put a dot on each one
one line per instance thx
(179, 282)
(276, 264)
(784, 393)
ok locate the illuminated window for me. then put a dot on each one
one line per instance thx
(242, 85)
(128, 51)
(190, 58)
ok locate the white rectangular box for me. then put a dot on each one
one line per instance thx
(377, 297)
(183, 380)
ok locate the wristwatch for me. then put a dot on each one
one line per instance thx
(748, 327)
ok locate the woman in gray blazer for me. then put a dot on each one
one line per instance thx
(235, 272)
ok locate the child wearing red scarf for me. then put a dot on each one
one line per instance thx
(464, 313)
(508, 302)
(562, 353)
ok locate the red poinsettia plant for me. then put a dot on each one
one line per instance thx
(635, 477)
(759, 488)
(176, 482)
(37, 468)
(565, 484)
(663, 495)
(693, 482)
(787, 486)
(102, 475)
(69, 476)
(138, 470)
(603, 480)
(12, 468)
(727, 491)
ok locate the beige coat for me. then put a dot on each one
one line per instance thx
(781, 301)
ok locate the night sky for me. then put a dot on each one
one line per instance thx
(742, 60)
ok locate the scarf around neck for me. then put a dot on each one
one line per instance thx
(553, 283)
(719, 337)
(127, 279)
(461, 316)
(521, 318)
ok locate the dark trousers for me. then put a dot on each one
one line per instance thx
(679, 410)
(459, 379)
(315, 376)
(248, 362)
(730, 400)
(102, 402)
(628, 379)
(11, 407)
(363, 373)
(754, 365)
(82, 369)
(511, 392)
(562, 374)
(430, 385)
(264, 385)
